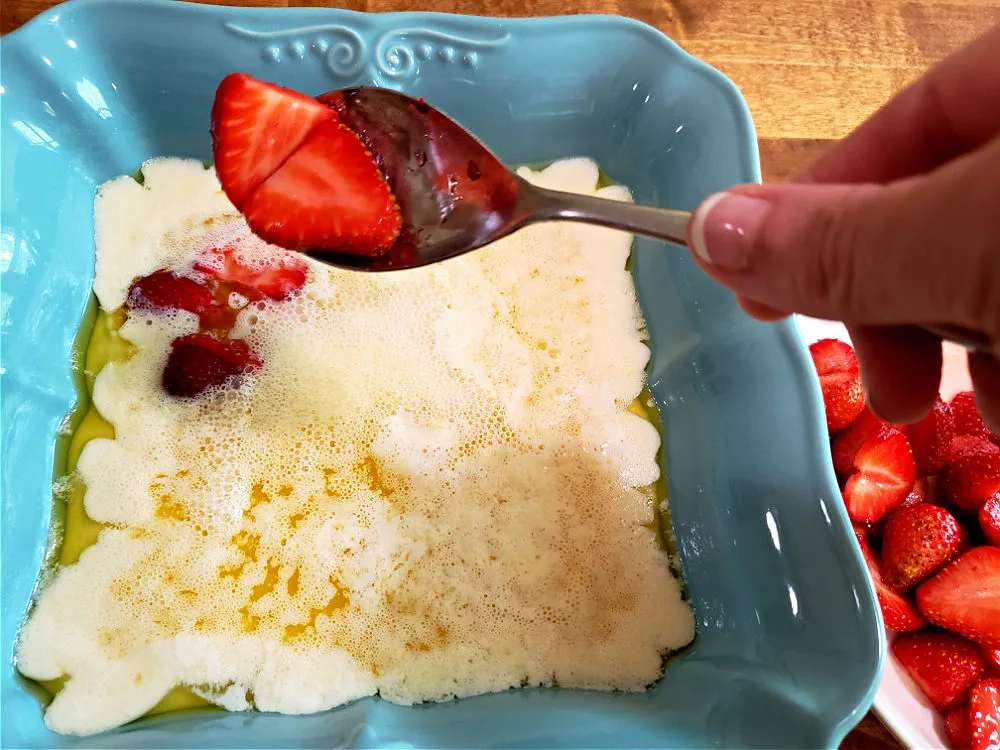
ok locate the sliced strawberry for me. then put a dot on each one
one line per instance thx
(840, 381)
(984, 715)
(328, 196)
(165, 290)
(965, 596)
(199, 362)
(972, 476)
(931, 437)
(898, 612)
(256, 126)
(846, 444)
(968, 420)
(989, 520)
(958, 728)
(944, 665)
(278, 275)
(917, 542)
(885, 475)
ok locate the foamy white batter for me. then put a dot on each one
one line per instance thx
(428, 490)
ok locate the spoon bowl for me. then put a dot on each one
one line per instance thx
(454, 194)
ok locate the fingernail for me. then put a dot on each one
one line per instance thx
(723, 229)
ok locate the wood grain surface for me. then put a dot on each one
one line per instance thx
(811, 70)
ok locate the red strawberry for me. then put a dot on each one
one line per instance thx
(972, 476)
(958, 728)
(917, 542)
(931, 437)
(327, 196)
(846, 444)
(944, 665)
(277, 276)
(256, 126)
(968, 420)
(840, 381)
(165, 290)
(898, 612)
(885, 475)
(965, 596)
(993, 659)
(199, 362)
(919, 494)
(989, 520)
(984, 714)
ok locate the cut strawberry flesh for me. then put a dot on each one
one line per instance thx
(275, 276)
(840, 382)
(328, 196)
(885, 475)
(846, 444)
(256, 126)
(199, 362)
(965, 597)
(944, 666)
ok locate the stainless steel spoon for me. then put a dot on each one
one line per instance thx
(456, 196)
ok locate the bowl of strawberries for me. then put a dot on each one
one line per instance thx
(924, 500)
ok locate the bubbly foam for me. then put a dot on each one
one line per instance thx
(430, 489)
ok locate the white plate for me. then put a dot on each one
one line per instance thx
(899, 703)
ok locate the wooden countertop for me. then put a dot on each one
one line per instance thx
(811, 71)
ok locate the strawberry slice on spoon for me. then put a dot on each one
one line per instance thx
(301, 178)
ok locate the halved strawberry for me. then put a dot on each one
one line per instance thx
(958, 728)
(989, 520)
(166, 290)
(965, 596)
(327, 196)
(256, 126)
(846, 444)
(972, 476)
(278, 275)
(199, 362)
(917, 542)
(968, 420)
(931, 437)
(885, 475)
(840, 381)
(984, 715)
(944, 665)
(898, 612)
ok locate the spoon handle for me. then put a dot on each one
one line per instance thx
(671, 226)
(658, 223)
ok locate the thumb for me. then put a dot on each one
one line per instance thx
(923, 250)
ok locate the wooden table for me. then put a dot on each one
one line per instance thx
(811, 71)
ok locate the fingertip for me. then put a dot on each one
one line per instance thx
(761, 312)
(985, 373)
(901, 370)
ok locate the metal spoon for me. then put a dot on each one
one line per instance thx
(456, 196)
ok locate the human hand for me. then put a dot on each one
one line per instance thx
(896, 226)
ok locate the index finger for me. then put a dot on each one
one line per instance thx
(951, 110)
